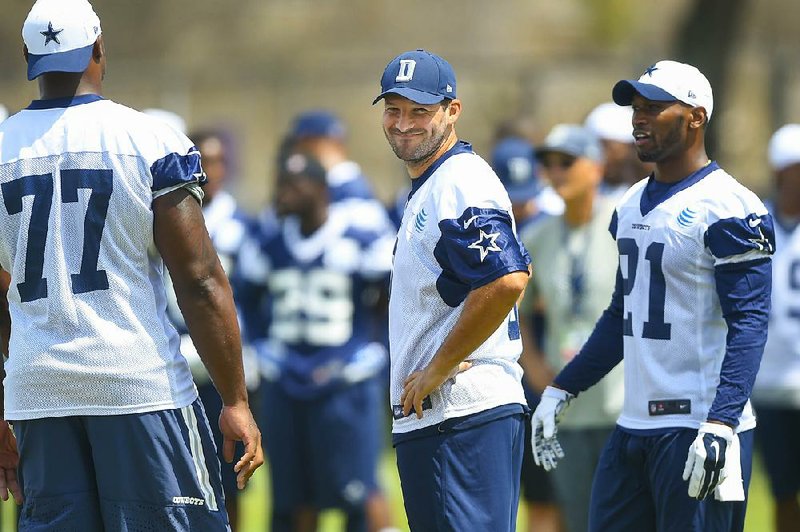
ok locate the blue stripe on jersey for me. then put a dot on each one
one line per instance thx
(734, 236)
(175, 169)
(601, 352)
(58, 103)
(656, 193)
(744, 290)
(474, 250)
(460, 147)
(612, 227)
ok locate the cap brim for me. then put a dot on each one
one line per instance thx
(424, 98)
(72, 61)
(625, 89)
(518, 194)
(541, 151)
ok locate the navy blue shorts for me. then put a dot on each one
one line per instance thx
(323, 452)
(778, 435)
(639, 486)
(466, 475)
(151, 471)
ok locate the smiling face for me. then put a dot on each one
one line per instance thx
(661, 129)
(415, 131)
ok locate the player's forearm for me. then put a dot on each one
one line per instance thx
(600, 354)
(602, 351)
(210, 315)
(485, 309)
(744, 291)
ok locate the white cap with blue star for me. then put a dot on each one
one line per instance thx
(668, 81)
(59, 35)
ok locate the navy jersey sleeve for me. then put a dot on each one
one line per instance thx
(601, 352)
(176, 169)
(477, 248)
(731, 237)
(743, 274)
(744, 290)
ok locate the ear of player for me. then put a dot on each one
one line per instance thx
(546, 449)
(705, 465)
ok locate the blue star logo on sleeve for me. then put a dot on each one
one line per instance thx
(51, 34)
(486, 243)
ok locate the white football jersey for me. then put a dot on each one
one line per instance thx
(456, 234)
(87, 302)
(674, 330)
(778, 381)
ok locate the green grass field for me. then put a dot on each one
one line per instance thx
(256, 503)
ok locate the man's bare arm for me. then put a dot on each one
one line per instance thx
(484, 310)
(205, 299)
(9, 457)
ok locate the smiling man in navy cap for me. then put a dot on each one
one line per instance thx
(457, 400)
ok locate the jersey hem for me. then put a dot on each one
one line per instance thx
(98, 410)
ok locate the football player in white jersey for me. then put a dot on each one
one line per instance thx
(96, 198)
(689, 315)
(776, 394)
(455, 389)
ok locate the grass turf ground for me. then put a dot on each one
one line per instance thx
(256, 503)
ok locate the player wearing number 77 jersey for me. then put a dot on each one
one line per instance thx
(95, 198)
(689, 314)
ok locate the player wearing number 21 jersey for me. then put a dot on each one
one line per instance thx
(688, 313)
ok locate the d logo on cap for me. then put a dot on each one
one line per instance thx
(406, 72)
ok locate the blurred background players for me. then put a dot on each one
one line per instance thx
(514, 161)
(777, 390)
(323, 135)
(572, 288)
(611, 124)
(315, 288)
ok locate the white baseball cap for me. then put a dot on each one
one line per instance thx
(59, 35)
(668, 81)
(784, 147)
(609, 121)
(3, 112)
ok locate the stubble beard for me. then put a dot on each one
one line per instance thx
(422, 152)
(670, 145)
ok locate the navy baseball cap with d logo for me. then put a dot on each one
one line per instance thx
(420, 76)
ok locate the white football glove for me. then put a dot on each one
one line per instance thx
(705, 465)
(546, 449)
